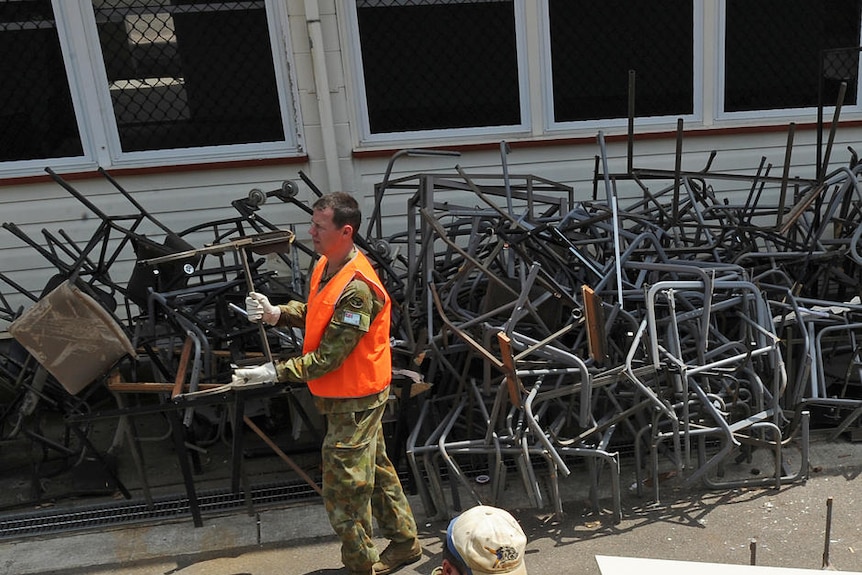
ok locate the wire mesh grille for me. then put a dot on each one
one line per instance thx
(773, 52)
(184, 74)
(595, 44)
(189, 74)
(436, 65)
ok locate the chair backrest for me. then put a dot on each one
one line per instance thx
(163, 277)
(72, 335)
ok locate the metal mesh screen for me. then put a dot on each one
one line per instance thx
(435, 65)
(37, 120)
(773, 52)
(595, 44)
(189, 73)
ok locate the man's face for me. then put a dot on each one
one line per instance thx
(326, 237)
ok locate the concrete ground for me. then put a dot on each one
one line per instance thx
(785, 527)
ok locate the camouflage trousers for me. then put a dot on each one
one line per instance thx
(359, 482)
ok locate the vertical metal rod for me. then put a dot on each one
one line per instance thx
(631, 129)
(677, 170)
(752, 547)
(612, 202)
(185, 465)
(842, 91)
(284, 457)
(264, 341)
(828, 533)
(782, 196)
(507, 186)
(504, 150)
(819, 144)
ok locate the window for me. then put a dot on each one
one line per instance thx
(441, 68)
(452, 67)
(37, 118)
(439, 65)
(594, 45)
(774, 50)
(185, 80)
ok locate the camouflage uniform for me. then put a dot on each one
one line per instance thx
(358, 479)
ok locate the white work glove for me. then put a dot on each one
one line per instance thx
(258, 308)
(251, 375)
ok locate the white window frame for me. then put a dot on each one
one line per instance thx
(366, 138)
(807, 114)
(85, 71)
(552, 126)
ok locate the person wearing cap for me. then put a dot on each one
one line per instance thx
(483, 540)
(346, 361)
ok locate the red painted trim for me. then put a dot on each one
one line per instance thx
(181, 168)
(584, 140)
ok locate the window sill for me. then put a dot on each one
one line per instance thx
(163, 169)
(657, 135)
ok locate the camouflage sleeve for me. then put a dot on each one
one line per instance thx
(350, 321)
(292, 314)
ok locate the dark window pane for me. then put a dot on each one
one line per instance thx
(37, 120)
(773, 52)
(439, 65)
(595, 44)
(187, 73)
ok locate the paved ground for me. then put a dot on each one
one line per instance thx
(784, 527)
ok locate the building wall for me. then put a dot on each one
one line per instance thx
(180, 198)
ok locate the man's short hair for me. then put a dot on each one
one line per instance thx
(345, 209)
(454, 559)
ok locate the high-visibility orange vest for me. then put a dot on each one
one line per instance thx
(368, 368)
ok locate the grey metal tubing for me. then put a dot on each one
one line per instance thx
(410, 450)
(430, 458)
(798, 389)
(540, 433)
(612, 202)
(435, 492)
(633, 378)
(558, 355)
(613, 461)
(498, 468)
(194, 377)
(380, 189)
(443, 449)
(523, 297)
(776, 445)
(821, 387)
(802, 473)
(504, 150)
(634, 244)
(665, 285)
(689, 371)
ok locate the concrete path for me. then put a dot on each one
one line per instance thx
(782, 528)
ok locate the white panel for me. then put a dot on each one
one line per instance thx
(627, 565)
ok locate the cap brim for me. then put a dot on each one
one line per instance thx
(519, 570)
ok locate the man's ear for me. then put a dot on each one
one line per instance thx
(449, 569)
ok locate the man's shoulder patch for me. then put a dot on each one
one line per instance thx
(352, 318)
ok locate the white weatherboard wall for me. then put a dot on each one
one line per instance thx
(181, 199)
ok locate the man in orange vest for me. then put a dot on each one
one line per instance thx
(346, 361)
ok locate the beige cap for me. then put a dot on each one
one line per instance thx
(489, 541)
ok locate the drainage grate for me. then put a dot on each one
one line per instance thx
(125, 513)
